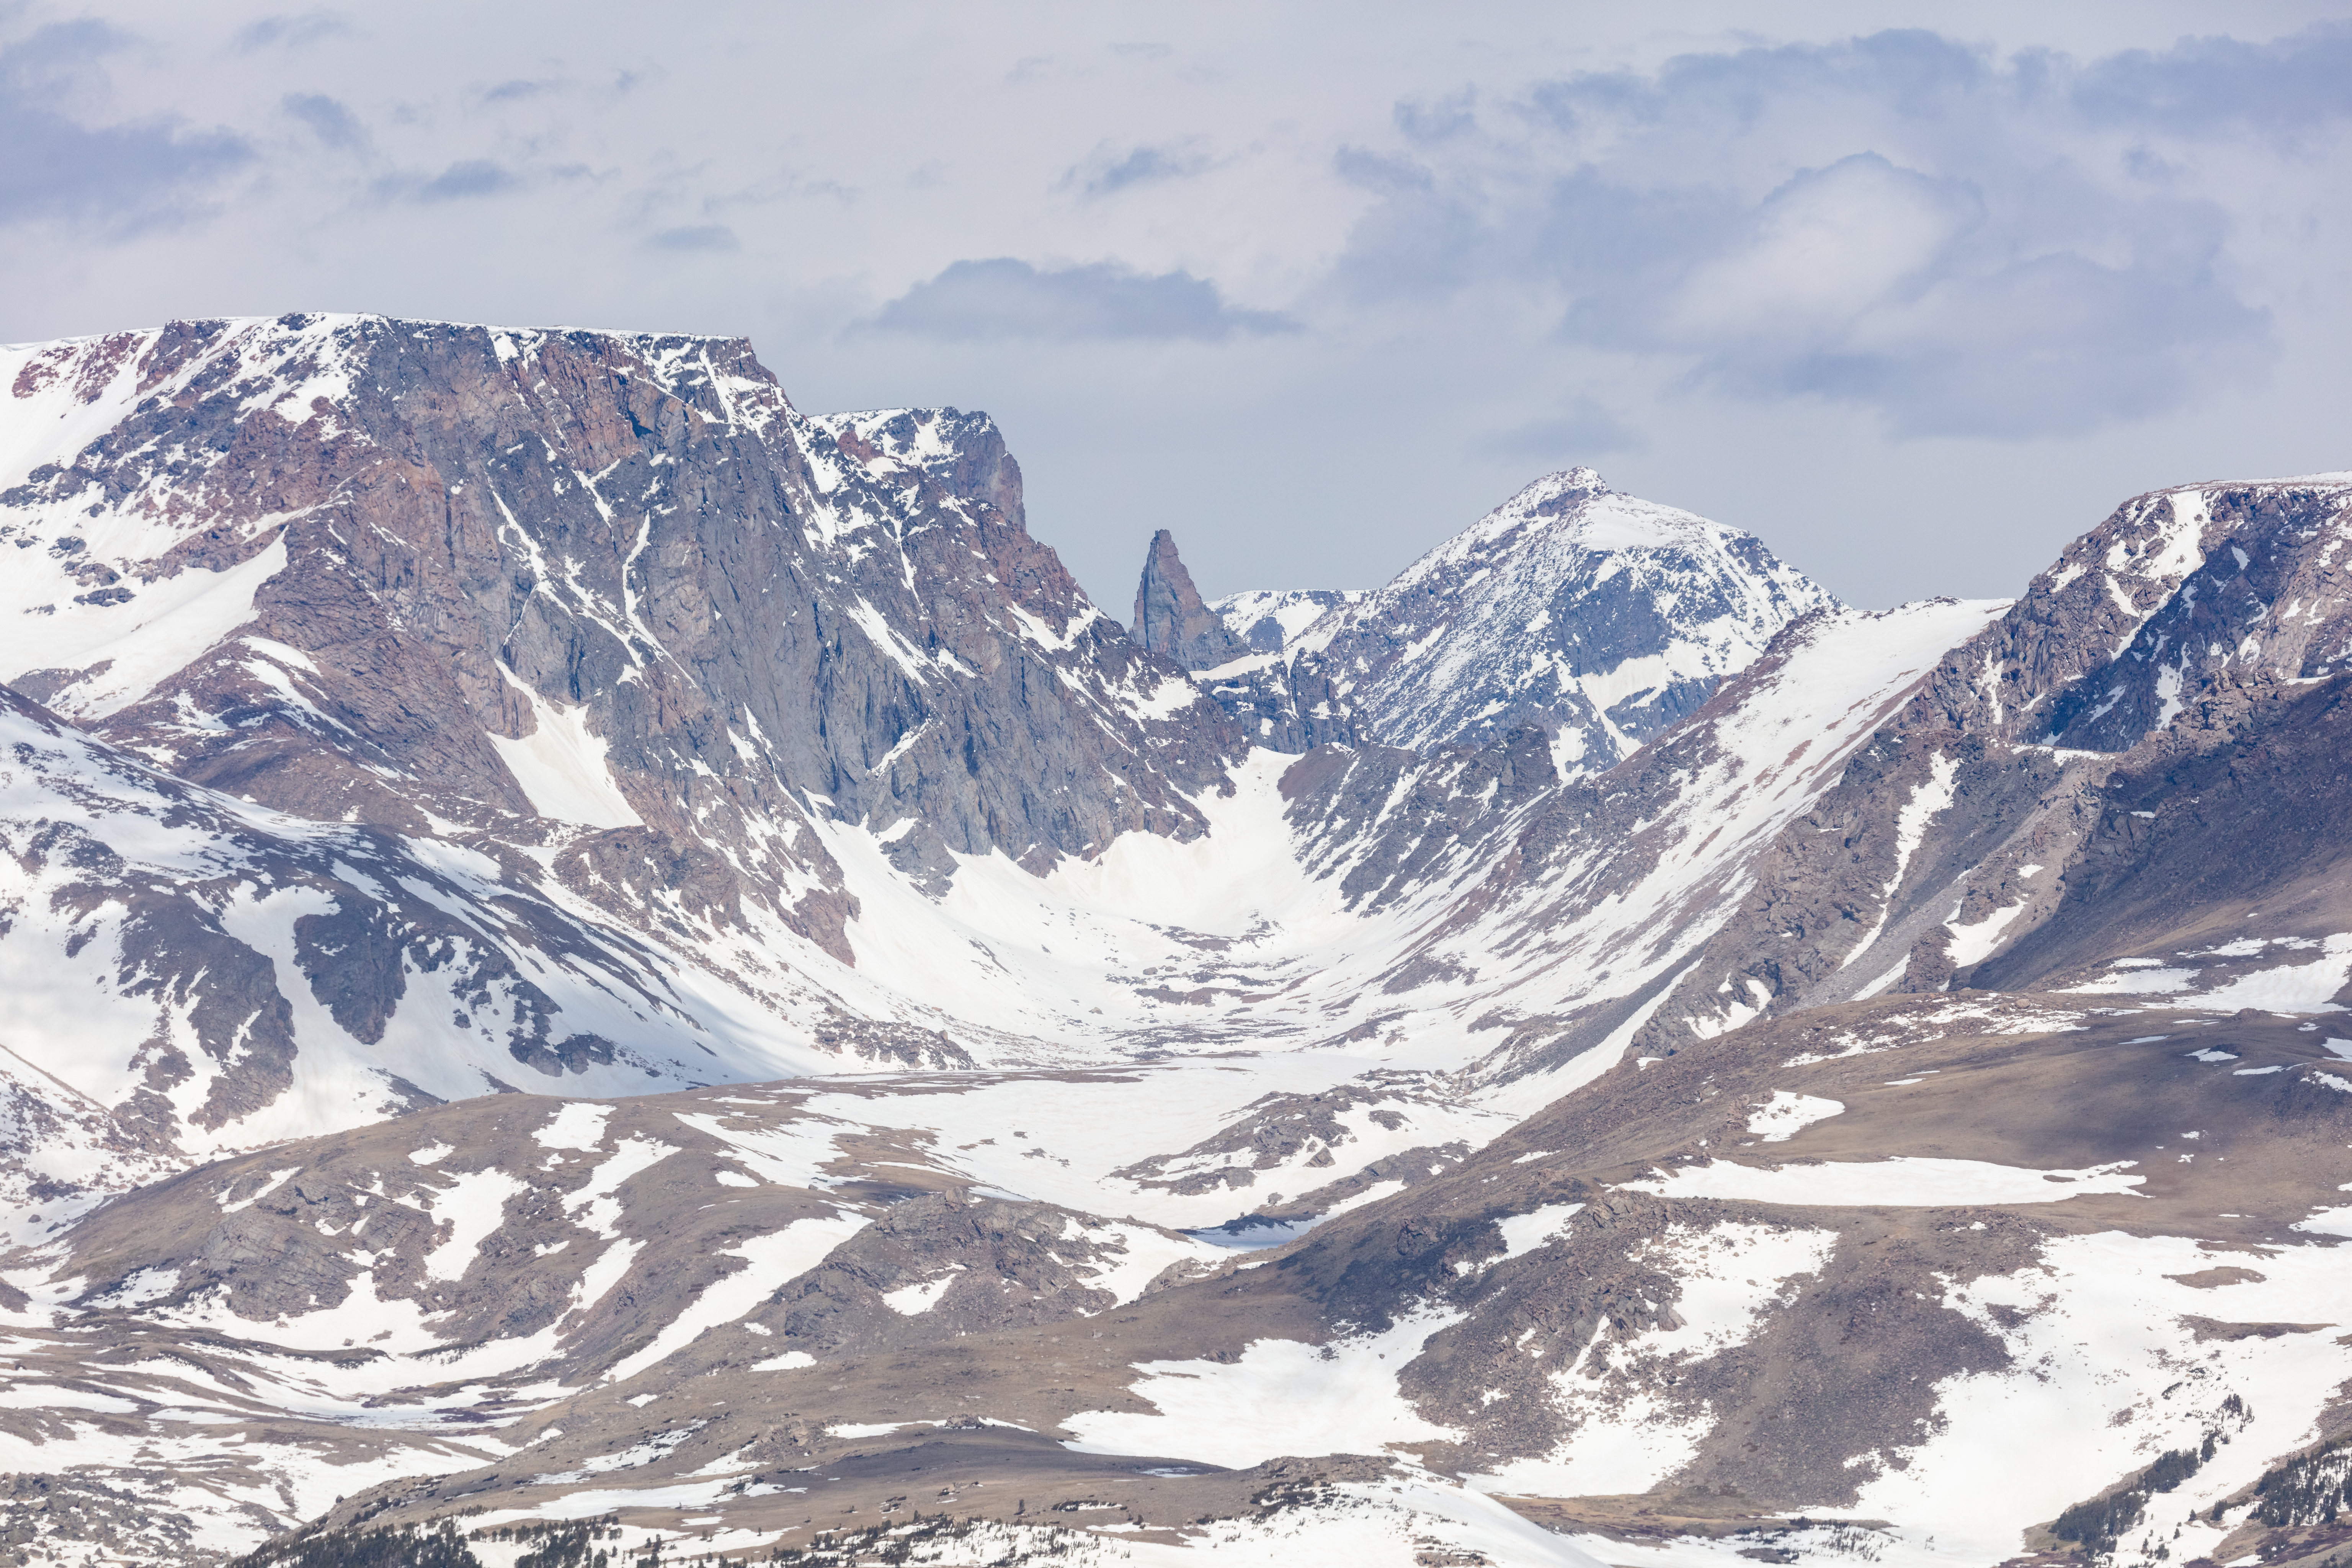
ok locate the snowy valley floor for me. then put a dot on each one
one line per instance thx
(1844, 1286)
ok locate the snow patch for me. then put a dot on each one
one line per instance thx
(1901, 1181)
(562, 766)
(1523, 1233)
(1281, 1397)
(580, 1124)
(1786, 1115)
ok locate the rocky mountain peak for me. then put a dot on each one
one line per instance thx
(1597, 616)
(1564, 483)
(651, 580)
(1172, 619)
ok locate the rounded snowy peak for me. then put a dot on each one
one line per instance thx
(1573, 507)
(1599, 617)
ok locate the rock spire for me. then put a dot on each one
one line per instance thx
(1170, 617)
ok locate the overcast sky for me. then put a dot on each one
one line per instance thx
(1914, 292)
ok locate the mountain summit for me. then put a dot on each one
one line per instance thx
(1596, 616)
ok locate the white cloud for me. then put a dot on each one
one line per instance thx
(1953, 239)
(1004, 297)
(1819, 252)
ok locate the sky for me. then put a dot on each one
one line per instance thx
(1914, 292)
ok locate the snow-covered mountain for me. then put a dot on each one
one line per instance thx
(2097, 784)
(382, 571)
(1269, 620)
(593, 624)
(1596, 616)
(1591, 1052)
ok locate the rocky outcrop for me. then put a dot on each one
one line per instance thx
(2177, 592)
(1172, 619)
(1273, 701)
(1270, 620)
(1289, 705)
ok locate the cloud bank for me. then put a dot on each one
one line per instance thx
(1004, 299)
(1336, 289)
(1963, 244)
(122, 177)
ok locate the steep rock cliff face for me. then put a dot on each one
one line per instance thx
(516, 580)
(1596, 616)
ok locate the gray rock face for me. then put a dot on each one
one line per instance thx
(614, 581)
(1172, 619)
(1282, 705)
(1599, 618)
(2221, 580)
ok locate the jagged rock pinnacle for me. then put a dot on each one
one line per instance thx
(1170, 618)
